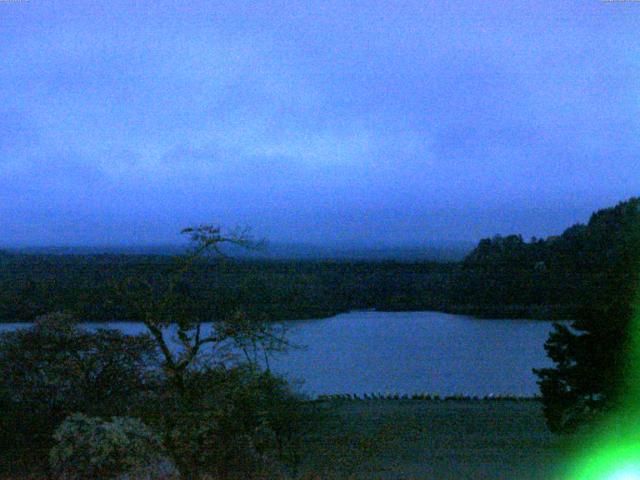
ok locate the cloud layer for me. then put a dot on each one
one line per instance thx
(376, 121)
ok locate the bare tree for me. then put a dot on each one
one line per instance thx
(166, 307)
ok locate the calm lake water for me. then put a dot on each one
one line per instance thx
(407, 352)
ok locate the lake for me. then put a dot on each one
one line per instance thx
(407, 352)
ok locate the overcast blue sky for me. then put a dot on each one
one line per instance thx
(389, 122)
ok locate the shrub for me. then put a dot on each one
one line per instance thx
(55, 368)
(234, 423)
(88, 447)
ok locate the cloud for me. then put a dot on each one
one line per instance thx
(314, 119)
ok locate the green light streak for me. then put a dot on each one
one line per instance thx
(614, 452)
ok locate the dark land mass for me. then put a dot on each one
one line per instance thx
(560, 277)
(413, 439)
(32, 285)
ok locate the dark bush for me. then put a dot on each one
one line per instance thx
(233, 423)
(55, 368)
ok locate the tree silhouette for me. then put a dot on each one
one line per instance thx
(592, 357)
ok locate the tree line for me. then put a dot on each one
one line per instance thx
(85, 285)
(559, 277)
(589, 274)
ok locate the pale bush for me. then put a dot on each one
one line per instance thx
(123, 448)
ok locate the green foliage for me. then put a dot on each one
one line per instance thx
(55, 368)
(229, 422)
(589, 274)
(559, 277)
(89, 447)
(233, 423)
(215, 417)
(581, 274)
(591, 359)
(215, 420)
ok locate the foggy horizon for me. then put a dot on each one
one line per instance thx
(338, 242)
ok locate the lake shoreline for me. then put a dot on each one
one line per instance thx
(378, 354)
(480, 312)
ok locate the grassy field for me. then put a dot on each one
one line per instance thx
(413, 439)
(416, 439)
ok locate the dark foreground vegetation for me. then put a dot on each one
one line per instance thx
(77, 404)
(420, 439)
